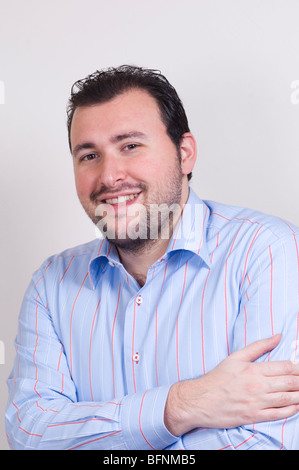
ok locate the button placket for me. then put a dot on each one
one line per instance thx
(136, 356)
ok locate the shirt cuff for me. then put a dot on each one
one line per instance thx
(142, 420)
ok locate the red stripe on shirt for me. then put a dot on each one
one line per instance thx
(271, 291)
(203, 224)
(58, 366)
(177, 323)
(71, 322)
(94, 440)
(112, 339)
(36, 344)
(156, 328)
(247, 254)
(90, 342)
(202, 310)
(30, 433)
(297, 334)
(140, 422)
(297, 254)
(225, 290)
(202, 328)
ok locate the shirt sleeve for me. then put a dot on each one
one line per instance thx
(269, 304)
(43, 411)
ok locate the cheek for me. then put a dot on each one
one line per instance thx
(151, 170)
(84, 184)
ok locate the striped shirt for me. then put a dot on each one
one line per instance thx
(96, 354)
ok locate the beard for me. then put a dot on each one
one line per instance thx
(155, 219)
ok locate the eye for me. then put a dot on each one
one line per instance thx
(131, 147)
(89, 157)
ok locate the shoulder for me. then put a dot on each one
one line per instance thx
(78, 256)
(228, 216)
(251, 234)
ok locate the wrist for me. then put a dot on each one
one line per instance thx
(178, 416)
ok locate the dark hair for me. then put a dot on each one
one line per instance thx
(104, 85)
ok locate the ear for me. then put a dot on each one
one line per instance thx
(188, 149)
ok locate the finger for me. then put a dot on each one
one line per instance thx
(282, 399)
(278, 368)
(288, 383)
(257, 349)
(274, 414)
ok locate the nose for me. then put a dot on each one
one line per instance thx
(112, 171)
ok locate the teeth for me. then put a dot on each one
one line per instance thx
(120, 199)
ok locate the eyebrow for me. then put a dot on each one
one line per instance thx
(127, 135)
(84, 146)
(114, 140)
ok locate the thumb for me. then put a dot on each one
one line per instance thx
(255, 350)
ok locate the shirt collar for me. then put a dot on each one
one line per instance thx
(104, 253)
(190, 231)
(189, 235)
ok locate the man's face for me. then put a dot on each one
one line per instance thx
(124, 161)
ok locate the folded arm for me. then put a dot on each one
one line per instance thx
(250, 400)
(43, 410)
(237, 392)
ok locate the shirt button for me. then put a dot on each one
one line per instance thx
(111, 264)
(139, 300)
(136, 357)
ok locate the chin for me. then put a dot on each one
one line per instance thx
(130, 245)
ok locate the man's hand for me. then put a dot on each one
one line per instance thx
(237, 392)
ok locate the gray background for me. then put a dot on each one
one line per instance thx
(233, 62)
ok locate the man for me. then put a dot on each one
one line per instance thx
(179, 328)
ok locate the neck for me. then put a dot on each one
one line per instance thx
(137, 264)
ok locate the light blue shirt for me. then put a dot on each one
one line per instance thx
(96, 354)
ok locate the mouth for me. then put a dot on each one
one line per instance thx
(121, 199)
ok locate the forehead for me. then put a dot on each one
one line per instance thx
(132, 107)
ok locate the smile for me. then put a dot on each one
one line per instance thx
(120, 199)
